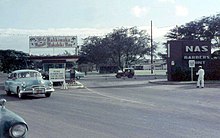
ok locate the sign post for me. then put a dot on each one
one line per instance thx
(192, 65)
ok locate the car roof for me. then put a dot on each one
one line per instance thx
(24, 70)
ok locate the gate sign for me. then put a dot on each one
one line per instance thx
(52, 41)
(192, 63)
(186, 54)
(57, 74)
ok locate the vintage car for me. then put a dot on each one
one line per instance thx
(27, 82)
(78, 75)
(127, 72)
(11, 125)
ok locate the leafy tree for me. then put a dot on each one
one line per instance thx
(12, 60)
(128, 45)
(123, 47)
(94, 50)
(206, 28)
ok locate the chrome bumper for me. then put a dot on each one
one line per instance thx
(37, 91)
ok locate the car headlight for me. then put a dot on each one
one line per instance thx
(50, 83)
(18, 130)
(23, 84)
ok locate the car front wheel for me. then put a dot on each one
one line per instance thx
(20, 96)
(8, 92)
(47, 94)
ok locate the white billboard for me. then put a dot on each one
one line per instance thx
(57, 74)
(52, 41)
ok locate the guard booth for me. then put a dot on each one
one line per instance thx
(182, 53)
(45, 63)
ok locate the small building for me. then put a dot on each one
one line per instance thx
(46, 62)
(181, 53)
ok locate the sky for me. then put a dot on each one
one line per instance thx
(20, 19)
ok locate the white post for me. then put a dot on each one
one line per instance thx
(192, 65)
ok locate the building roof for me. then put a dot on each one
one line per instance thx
(71, 58)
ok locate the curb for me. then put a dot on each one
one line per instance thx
(165, 82)
(76, 85)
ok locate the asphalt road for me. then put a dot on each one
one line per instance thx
(122, 108)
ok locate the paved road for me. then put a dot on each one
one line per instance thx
(122, 108)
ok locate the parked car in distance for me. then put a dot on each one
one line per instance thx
(127, 72)
(27, 82)
(78, 75)
(11, 124)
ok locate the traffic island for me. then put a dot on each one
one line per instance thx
(74, 84)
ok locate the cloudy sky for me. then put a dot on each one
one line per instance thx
(22, 18)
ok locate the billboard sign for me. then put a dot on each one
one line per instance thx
(52, 41)
(196, 50)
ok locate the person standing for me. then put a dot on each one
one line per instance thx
(200, 81)
(72, 75)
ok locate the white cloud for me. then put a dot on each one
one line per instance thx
(181, 10)
(18, 39)
(139, 11)
(167, 1)
(82, 32)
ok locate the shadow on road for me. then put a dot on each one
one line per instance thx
(14, 97)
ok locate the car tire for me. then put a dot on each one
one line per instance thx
(47, 94)
(118, 76)
(20, 96)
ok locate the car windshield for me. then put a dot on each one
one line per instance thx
(28, 74)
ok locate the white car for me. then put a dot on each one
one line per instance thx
(78, 74)
(27, 82)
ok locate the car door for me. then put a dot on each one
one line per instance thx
(12, 82)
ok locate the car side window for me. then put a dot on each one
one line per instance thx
(14, 75)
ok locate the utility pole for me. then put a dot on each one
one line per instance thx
(151, 43)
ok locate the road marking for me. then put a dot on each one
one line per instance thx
(119, 99)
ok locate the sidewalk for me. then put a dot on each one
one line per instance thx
(165, 82)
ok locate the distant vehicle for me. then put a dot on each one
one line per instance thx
(78, 75)
(27, 82)
(11, 124)
(127, 72)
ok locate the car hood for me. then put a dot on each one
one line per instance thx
(8, 118)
